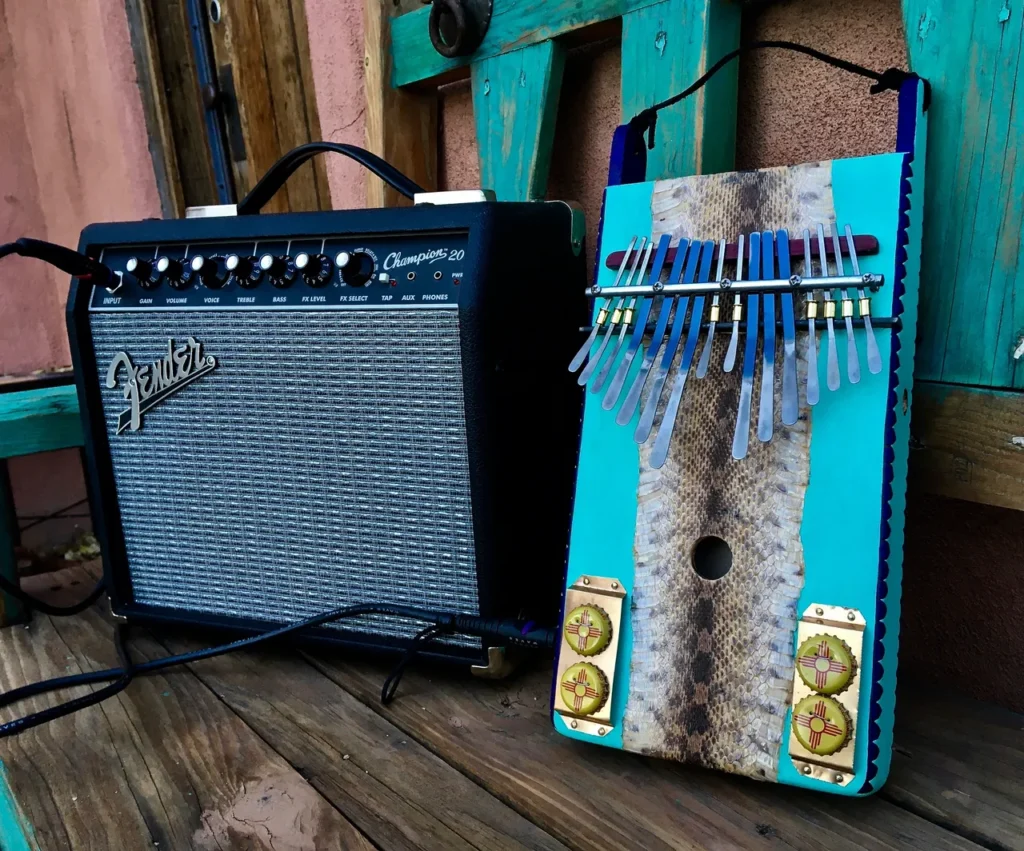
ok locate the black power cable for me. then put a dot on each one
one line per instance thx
(514, 632)
(68, 260)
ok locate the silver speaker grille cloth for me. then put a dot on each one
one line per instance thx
(322, 463)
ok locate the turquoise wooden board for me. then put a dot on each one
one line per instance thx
(39, 421)
(665, 47)
(16, 834)
(515, 104)
(844, 497)
(605, 546)
(513, 25)
(971, 319)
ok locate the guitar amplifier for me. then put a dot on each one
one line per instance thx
(289, 413)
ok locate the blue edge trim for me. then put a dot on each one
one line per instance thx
(906, 129)
(628, 164)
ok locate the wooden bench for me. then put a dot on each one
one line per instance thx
(38, 413)
(292, 750)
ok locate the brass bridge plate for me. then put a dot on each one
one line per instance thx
(608, 595)
(848, 625)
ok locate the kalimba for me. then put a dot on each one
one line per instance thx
(732, 593)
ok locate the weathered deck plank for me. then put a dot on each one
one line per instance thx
(394, 789)
(590, 797)
(165, 762)
(294, 749)
(960, 763)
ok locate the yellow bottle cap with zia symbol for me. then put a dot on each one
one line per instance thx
(583, 688)
(825, 664)
(588, 629)
(821, 725)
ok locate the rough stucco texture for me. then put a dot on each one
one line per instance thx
(73, 150)
(336, 54)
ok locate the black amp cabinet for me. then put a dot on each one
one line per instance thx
(289, 413)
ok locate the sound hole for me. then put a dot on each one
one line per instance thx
(711, 557)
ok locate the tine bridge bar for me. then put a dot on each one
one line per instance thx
(776, 285)
(858, 323)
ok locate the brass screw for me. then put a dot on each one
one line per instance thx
(838, 778)
(806, 769)
(851, 616)
(573, 724)
(819, 611)
(615, 586)
(586, 580)
(601, 731)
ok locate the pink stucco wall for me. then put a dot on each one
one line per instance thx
(337, 56)
(73, 150)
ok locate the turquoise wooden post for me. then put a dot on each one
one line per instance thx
(517, 71)
(665, 47)
(515, 104)
(38, 420)
(971, 320)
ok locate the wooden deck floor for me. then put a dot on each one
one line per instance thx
(290, 750)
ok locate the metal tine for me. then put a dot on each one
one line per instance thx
(832, 376)
(852, 360)
(737, 311)
(766, 408)
(602, 313)
(790, 405)
(663, 441)
(646, 424)
(874, 356)
(627, 319)
(628, 408)
(813, 392)
(615, 388)
(741, 438)
(595, 359)
(705, 356)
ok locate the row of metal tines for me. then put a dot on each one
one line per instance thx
(767, 274)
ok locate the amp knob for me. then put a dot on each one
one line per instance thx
(281, 270)
(212, 271)
(356, 268)
(144, 272)
(316, 269)
(173, 271)
(245, 270)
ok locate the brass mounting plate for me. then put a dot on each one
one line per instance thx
(608, 594)
(847, 625)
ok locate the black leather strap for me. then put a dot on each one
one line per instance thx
(280, 171)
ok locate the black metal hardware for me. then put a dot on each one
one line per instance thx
(457, 27)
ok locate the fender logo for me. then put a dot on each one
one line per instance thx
(147, 386)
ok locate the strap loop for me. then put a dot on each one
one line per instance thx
(888, 80)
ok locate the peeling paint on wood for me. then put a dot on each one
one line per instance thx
(974, 206)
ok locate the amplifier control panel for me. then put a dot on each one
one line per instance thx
(361, 272)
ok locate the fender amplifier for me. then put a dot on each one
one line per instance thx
(289, 413)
